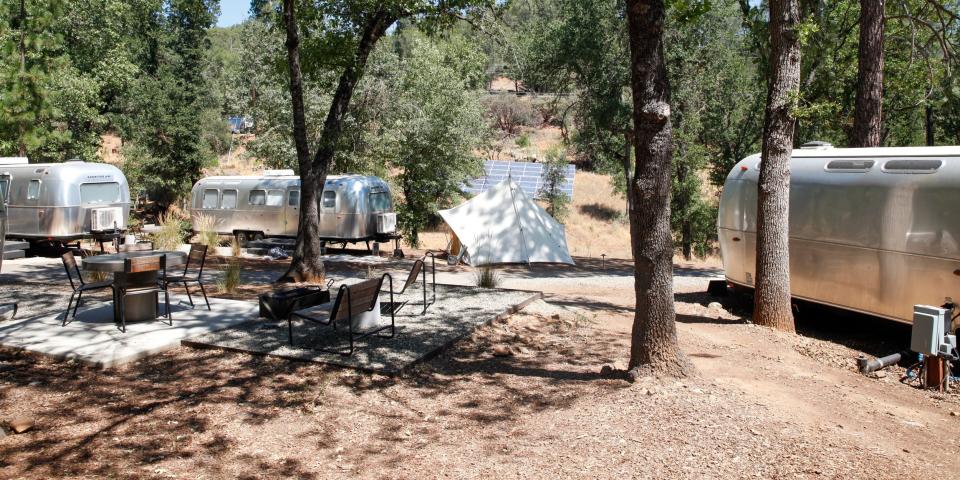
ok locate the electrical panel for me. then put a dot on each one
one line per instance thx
(928, 329)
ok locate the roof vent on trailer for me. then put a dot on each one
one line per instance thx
(816, 145)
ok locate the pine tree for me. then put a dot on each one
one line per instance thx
(26, 45)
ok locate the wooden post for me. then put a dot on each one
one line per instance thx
(935, 370)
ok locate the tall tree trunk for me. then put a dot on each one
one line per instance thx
(307, 265)
(772, 297)
(869, 107)
(22, 48)
(653, 346)
(931, 140)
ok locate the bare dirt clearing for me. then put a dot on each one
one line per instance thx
(765, 404)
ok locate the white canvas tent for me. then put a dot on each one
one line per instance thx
(503, 225)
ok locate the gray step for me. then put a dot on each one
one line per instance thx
(15, 245)
(13, 254)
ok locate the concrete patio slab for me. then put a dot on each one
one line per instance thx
(93, 337)
(457, 312)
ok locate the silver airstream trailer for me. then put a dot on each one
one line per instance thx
(59, 202)
(873, 230)
(353, 208)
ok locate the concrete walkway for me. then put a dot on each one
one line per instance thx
(93, 337)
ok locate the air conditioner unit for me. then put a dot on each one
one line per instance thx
(104, 219)
(386, 222)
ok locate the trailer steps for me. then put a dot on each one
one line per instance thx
(14, 249)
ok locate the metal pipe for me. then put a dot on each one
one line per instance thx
(869, 365)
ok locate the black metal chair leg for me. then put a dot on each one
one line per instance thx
(189, 298)
(66, 315)
(123, 313)
(77, 305)
(166, 296)
(204, 292)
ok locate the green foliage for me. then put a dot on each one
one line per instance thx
(28, 63)
(435, 125)
(523, 141)
(165, 109)
(554, 174)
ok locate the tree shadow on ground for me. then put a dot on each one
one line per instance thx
(873, 335)
(186, 406)
(600, 212)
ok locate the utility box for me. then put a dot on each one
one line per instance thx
(929, 327)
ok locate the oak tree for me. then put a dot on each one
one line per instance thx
(654, 346)
(772, 305)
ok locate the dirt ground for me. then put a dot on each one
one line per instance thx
(764, 404)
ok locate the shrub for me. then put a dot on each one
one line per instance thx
(487, 277)
(523, 141)
(235, 247)
(551, 191)
(170, 232)
(206, 228)
(230, 280)
(508, 113)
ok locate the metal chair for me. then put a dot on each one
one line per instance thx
(156, 263)
(352, 300)
(197, 257)
(70, 265)
(420, 267)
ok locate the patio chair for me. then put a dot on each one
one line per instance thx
(141, 265)
(196, 258)
(352, 300)
(78, 286)
(418, 268)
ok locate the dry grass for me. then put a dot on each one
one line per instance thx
(206, 228)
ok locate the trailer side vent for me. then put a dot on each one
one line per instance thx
(912, 166)
(850, 165)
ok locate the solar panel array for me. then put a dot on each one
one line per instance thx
(528, 175)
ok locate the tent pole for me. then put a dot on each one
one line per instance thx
(523, 239)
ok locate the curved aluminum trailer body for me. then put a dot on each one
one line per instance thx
(874, 230)
(64, 201)
(3, 228)
(353, 208)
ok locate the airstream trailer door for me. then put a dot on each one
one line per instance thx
(291, 212)
(328, 213)
(24, 214)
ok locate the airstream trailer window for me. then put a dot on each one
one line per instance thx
(4, 186)
(293, 198)
(912, 166)
(258, 197)
(850, 165)
(107, 192)
(379, 202)
(275, 198)
(33, 190)
(329, 200)
(229, 199)
(210, 197)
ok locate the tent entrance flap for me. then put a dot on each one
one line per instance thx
(504, 225)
